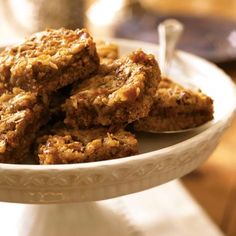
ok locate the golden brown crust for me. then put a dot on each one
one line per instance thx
(22, 113)
(75, 146)
(121, 92)
(178, 99)
(176, 108)
(48, 60)
(107, 52)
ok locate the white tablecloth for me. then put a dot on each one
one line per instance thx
(167, 210)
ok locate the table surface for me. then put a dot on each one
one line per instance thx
(213, 185)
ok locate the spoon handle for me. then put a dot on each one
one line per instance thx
(169, 33)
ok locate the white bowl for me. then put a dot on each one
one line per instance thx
(163, 156)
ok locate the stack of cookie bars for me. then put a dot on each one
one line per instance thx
(66, 99)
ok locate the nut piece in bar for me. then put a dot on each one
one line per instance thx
(107, 52)
(48, 60)
(176, 108)
(21, 116)
(121, 92)
(74, 146)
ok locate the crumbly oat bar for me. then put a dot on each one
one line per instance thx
(21, 115)
(107, 52)
(176, 108)
(121, 92)
(48, 60)
(74, 146)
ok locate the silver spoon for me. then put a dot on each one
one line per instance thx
(169, 33)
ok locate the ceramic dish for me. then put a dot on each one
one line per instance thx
(162, 157)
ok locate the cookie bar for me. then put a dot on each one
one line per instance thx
(75, 146)
(48, 60)
(176, 108)
(121, 92)
(21, 115)
(107, 52)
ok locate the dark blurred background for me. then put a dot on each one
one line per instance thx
(210, 25)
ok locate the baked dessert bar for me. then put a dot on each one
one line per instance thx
(176, 108)
(107, 52)
(75, 146)
(21, 115)
(121, 92)
(48, 60)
